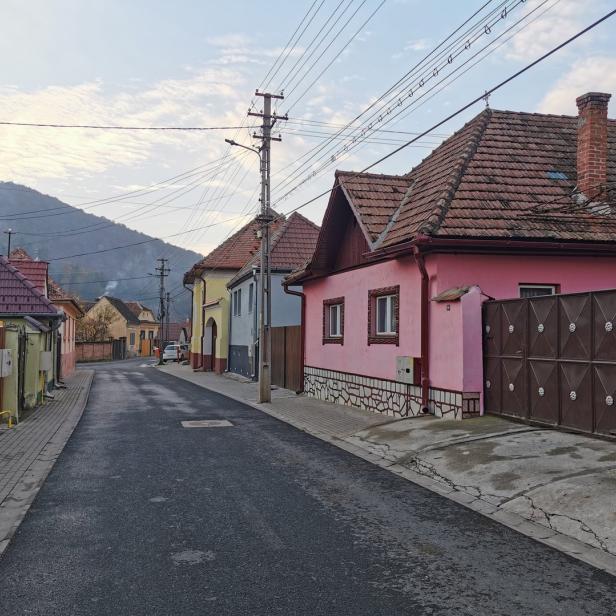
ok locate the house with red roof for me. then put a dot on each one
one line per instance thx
(29, 327)
(210, 297)
(512, 205)
(292, 244)
(37, 273)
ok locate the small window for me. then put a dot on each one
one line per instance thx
(383, 315)
(537, 290)
(132, 339)
(237, 303)
(386, 315)
(333, 321)
(251, 295)
(335, 328)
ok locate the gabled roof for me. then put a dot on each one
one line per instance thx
(291, 245)
(504, 175)
(59, 296)
(235, 251)
(19, 296)
(123, 309)
(137, 308)
(34, 271)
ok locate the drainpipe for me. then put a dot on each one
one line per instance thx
(255, 328)
(230, 292)
(201, 364)
(425, 330)
(192, 308)
(300, 294)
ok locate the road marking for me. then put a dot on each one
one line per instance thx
(207, 423)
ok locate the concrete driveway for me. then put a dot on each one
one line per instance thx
(565, 482)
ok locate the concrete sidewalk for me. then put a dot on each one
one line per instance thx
(556, 487)
(29, 450)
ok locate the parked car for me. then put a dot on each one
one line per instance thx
(175, 352)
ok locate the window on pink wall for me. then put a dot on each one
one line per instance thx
(333, 320)
(384, 315)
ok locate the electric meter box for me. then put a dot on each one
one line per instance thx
(408, 369)
(6, 362)
(45, 363)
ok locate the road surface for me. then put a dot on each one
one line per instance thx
(143, 516)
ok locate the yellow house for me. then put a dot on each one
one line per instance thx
(210, 307)
(126, 325)
(28, 336)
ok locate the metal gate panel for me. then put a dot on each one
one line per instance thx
(513, 328)
(543, 327)
(543, 391)
(604, 318)
(492, 386)
(575, 326)
(492, 328)
(576, 396)
(604, 400)
(514, 388)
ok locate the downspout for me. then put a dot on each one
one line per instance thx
(425, 330)
(192, 312)
(255, 327)
(300, 294)
(230, 292)
(201, 360)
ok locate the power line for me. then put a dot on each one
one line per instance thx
(467, 105)
(109, 127)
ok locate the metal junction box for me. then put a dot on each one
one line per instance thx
(408, 369)
(6, 362)
(45, 362)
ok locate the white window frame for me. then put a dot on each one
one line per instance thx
(337, 308)
(237, 303)
(552, 288)
(389, 309)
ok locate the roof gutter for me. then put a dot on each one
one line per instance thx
(493, 246)
(302, 296)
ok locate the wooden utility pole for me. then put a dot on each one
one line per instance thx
(265, 278)
(163, 272)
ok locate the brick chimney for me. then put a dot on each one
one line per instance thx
(592, 144)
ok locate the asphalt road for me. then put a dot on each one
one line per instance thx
(143, 516)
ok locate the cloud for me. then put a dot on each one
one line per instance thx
(566, 18)
(229, 40)
(417, 45)
(593, 74)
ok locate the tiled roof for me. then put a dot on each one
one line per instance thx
(123, 309)
(504, 175)
(34, 271)
(19, 296)
(292, 244)
(175, 329)
(137, 308)
(235, 251)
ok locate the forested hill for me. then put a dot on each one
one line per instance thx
(44, 225)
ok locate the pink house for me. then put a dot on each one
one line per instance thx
(512, 205)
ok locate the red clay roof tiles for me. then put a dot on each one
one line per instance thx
(19, 296)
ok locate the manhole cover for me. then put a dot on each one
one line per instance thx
(206, 423)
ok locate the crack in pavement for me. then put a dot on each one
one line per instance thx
(548, 516)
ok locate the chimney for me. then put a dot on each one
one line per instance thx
(592, 144)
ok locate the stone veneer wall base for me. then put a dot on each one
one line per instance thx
(383, 396)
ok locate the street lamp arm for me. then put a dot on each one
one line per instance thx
(239, 145)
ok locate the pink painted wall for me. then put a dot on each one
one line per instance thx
(455, 334)
(378, 360)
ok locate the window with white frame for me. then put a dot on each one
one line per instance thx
(335, 320)
(386, 315)
(237, 303)
(251, 296)
(537, 290)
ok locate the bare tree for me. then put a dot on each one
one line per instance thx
(95, 327)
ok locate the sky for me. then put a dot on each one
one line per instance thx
(196, 63)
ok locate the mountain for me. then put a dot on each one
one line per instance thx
(40, 224)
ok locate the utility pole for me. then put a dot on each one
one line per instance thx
(265, 278)
(9, 232)
(163, 272)
(167, 314)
